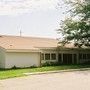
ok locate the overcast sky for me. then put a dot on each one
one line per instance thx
(38, 18)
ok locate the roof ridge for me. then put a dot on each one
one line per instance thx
(36, 37)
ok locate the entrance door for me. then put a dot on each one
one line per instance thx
(74, 58)
(59, 58)
(67, 58)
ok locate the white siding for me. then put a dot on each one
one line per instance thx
(2, 58)
(22, 59)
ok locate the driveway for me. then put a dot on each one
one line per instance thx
(78, 80)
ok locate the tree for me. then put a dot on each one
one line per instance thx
(76, 28)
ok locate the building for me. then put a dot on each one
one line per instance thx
(32, 51)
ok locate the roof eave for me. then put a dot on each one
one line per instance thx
(22, 50)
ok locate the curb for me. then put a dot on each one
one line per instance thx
(57, 71)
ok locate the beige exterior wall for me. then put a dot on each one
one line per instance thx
(22, 59)
(2, 58)
(27, 59)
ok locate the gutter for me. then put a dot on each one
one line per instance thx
(23, 50)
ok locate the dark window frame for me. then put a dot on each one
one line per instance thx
(47, 56)
(42, 56)
(53, 56)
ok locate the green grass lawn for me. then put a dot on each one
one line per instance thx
(4, 74)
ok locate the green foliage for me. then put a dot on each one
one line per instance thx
(50, 64)
(14, 67)
(76, 28)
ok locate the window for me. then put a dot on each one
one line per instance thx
(60, 57)
(42, 56)
(47, 56)
(84, 56)
(74, 58)
(53, 56)
(80, 56)
(88, 56)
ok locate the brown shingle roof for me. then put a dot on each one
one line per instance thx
(17, 42)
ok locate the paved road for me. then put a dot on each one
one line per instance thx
(78, 80)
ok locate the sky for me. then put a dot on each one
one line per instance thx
(38, 18)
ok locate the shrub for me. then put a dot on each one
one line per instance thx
(14, 67)
(33, 66)
(50, 64)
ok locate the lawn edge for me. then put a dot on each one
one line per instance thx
(56, 71)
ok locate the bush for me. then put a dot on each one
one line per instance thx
(33, 66)
(14, 67)
(50, 64)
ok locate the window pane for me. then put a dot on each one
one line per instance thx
(80, 56)
(42, 56)
(75, 58)
(53, 56)
(88, 56)
(47, 56)
(84, 56)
